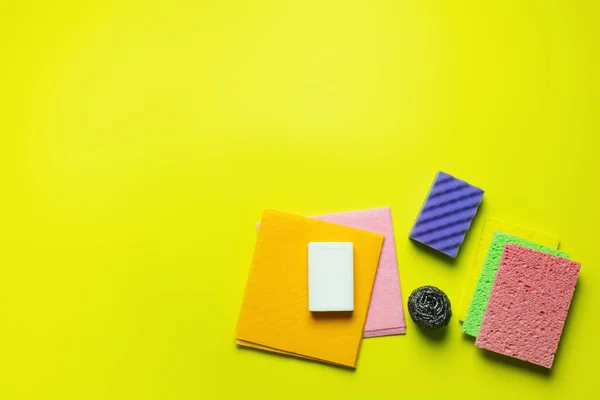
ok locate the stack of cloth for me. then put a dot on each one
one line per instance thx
(275, 313)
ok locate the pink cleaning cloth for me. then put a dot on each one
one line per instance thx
(386, 312)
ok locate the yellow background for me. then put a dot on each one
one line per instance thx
(140, 142)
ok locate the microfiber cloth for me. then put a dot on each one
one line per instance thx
(528, 305)
(481, 295)
(489, 228)
(274, 314)
(446, 215)
(386, 311)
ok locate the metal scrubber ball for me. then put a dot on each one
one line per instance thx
(429, 307)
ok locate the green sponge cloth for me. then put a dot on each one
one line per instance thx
(480, 299)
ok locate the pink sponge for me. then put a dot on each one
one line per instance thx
(528, 305)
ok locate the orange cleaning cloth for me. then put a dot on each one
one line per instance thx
(275, 315)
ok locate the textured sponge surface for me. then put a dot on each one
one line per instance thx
(528, 305)
(446, 214)
(480, 298)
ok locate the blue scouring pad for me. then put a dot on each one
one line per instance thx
(446, 214)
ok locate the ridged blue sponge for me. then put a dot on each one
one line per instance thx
(446, 214)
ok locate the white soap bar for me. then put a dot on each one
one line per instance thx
(330, 276)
